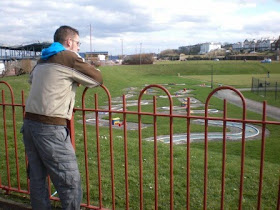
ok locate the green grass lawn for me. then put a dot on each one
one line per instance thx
(242, 80)
(192, 73)
(272, 97)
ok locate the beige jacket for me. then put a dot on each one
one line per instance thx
(54, 84)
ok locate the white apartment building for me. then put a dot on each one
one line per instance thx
(208, 46)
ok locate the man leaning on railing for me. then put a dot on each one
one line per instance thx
(50, 104)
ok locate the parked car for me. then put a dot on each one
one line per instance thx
(268, 60)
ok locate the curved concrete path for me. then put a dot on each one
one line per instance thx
(234, 134)
(232, 97)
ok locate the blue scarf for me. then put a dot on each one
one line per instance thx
(55, 48)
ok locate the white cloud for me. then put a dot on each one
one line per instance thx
(157, 24)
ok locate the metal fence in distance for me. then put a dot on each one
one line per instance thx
(266, 87)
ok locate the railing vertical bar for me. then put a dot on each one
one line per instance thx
(278, 202)
(171, 155)
(112, 156)
(242, 156)
(224, 155)
(3, 128)
(15, 138)
(264, 87)
(140, 156)
(188, 151)
(205, 158)
(6, 141)
(276, 91)
(98, 151)
(262, 155)
(85, 150)
(258, 86)
(26, 161)
(111, 147)
(155, 152)
(125, 154)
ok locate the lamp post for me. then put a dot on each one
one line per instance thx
(122, 49)
(90, 37)
(140, 52)
(212, 76)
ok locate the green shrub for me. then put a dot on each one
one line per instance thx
(138, 59)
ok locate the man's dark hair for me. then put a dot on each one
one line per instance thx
(63, 32)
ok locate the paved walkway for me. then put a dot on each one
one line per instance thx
(231, 97)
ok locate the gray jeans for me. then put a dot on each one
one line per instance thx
(50, 152)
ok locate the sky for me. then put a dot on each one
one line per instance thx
(134, 26)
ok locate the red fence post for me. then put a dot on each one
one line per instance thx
(188, 151)
(23, 114)
(262, 155)
(98, 150)
(278, 203)
(6, 142)
(155, 152)
(125, 154)
(111, 146)
(224, 155)
(85, 148)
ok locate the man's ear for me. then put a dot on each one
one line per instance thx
(67, 43)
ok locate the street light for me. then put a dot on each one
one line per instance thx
(122, 49)
(140, 52)
(212, 76)
(90, 37)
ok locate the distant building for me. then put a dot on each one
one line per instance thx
(95, 58)
(275, 45)
(28, 51)
(254, 45)
(264, 44)
(249, 45)
(190, 49)
(97, 54)
(209, 46)
(237, 46)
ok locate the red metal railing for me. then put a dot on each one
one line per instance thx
(8, 185)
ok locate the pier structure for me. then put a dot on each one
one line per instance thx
(13, 54)
(19, 52)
